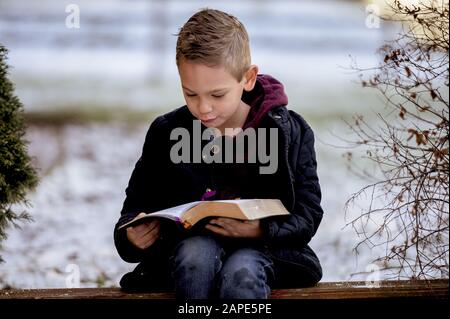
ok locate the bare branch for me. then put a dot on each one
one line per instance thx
(408, 208)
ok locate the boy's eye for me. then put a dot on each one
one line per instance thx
(218, 96)
(191, 95)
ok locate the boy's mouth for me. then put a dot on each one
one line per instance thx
(208, 120)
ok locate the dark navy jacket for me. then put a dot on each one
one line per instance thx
(157, 183)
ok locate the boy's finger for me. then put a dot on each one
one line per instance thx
(217, 229)
(146, 227)
(149, 240)
(215, 221)
(150, 234)
(230, 221)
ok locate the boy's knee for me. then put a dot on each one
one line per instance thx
(241, 277)
(243, 283)
(247, 258)
(244, 276)
(197, 252)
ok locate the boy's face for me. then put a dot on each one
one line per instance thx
(212, 94)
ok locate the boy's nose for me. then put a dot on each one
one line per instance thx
(204, 107)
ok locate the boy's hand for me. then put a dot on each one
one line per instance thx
(144, 235)
(231, 227)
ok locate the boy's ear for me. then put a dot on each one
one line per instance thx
(250, 77)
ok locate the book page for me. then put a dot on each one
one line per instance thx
(172, 213)
(261, 208)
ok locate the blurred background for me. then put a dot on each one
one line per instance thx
(91, 92)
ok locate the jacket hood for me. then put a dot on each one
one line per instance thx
(267, 94)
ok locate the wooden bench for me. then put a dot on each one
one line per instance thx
(404, 289)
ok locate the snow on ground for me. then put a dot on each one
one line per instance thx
(75, 206)
(85, 169)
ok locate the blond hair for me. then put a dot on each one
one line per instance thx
(215, 38)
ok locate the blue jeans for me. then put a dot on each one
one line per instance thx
(203, 269)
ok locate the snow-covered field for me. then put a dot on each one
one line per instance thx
(84, 171)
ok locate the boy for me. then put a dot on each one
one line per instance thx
(223, 257)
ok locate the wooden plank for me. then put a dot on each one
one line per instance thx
(359, 290)
(436, 289)
(80, 293)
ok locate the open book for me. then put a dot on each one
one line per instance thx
(244, 209)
